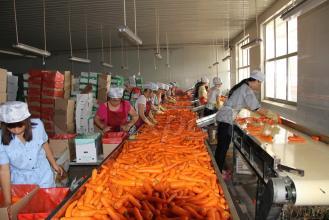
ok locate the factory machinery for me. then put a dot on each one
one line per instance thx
(293, 182)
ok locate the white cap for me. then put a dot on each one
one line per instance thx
(14, 111)
(115, 92)
(148, 86)
(155, 87)
(217, 81)
(173, 84)
(258, 75)
(170, 86)
(204, 79)
(162, 86)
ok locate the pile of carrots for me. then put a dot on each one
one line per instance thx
(166, 173)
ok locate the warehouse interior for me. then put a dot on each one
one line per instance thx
(196, 39)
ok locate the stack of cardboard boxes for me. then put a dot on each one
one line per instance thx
(45, 93)
(8, 86)
(3, 85)
(104, 82)
(12, 87)
(84, 116)
(89, 79)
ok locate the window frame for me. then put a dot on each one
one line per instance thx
(238, 47)
(276, 58)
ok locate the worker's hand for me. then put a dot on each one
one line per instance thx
(59, 170)
(9, 211)
(106, 129)
(272, 115)
(155, 121)
(125, 127)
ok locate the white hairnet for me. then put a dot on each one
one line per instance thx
(217, 81)
(258, 75)
(148, 86)
(204, 79)
(115, 92)
(14, 111)
(155, 87)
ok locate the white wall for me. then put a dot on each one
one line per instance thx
(187, 64)
(312, 108)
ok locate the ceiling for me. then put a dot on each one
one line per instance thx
(185, 21)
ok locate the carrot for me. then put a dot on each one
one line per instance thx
(68, 212)
(137, 214)
(193, 212)
(134, 201)
(77, 218)
(179, 211)
(84, 213)
(113, 214)
(315, 138)
(211, 214)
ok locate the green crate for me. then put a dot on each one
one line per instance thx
(117, 81)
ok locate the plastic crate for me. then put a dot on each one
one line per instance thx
(113, 137)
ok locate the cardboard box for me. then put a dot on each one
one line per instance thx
(67, 79)
(87, 148)
(3, 80)
(3, 97)
(27, 194)
(11, 96)
(12, 83)
(102, 95)
(64, 116)
(104, 81)
(59, 146)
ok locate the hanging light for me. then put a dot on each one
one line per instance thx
(299, 7)
(157, 54)
(254, 42)
(8, 52)
(74, 58)
(124, 30)
(20, 46)
(167, 46)
(103, 63)
(79, 60)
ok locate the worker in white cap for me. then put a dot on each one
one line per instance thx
(113, 115)
(203, 90)
(25, 156)
(240, 96)
(155, 107)
(213, 99)
(143, 107)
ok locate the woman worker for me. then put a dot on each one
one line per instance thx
(240, 96)
(213, 99)
(25, 156)
(113, 115)
(203, 90)
(143, 107)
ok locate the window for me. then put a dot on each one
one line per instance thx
(281, 60)
(243, 60)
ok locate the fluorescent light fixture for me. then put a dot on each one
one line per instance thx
(124, 67)
(79, 60)
(158, 55)
(8, 52)
(125, 32)
(30, 49)
(226, 58)
(215, 63)
(253, 43)
(299, 7)
(106, 64)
